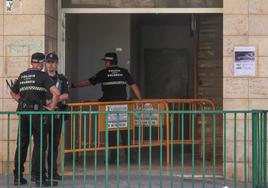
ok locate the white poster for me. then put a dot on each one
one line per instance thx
(146, 118)
(117, 119)
(245, 61)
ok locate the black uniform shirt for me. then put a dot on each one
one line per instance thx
(61, 82)
(113, 83)
(32, 86)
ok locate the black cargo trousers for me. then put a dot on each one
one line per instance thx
(54, 132)
(38, 131)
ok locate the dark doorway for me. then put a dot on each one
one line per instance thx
(161, 49)
(167, 73)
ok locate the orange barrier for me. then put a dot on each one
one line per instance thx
(94, 123)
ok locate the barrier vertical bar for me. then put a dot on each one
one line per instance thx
(150, 149)
(117, 151)
(161, 150)
(182, 149)
(52, 146)
(235, 150)
(85, 162)
(203, 151)
(106, 150)
(171, 148)
(128, 149)
(8, 147)
(95, 150)
(254, 150)
(193, 140)
(41, 150)
(265, 148)
(139, 152)
(245, 151)
(73, 148)
(214, 150)
(63, 148)
(31, 144)
(260, 149)
(19, 149)
(224, 148)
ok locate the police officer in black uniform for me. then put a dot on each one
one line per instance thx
(113, 81)
(61, 83)
(30, 92)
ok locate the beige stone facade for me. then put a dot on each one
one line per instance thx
(245, 24)
(32, 26)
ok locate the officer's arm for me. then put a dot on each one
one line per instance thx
(55, 97)
(64, 90)
(136, 90)
(82, 83)
(63, 97)
(15, 96)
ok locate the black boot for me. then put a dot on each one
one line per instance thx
(56, 176)
(22, 181)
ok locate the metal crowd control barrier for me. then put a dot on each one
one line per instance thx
(148, 122)
(113, 119)
(243, 162)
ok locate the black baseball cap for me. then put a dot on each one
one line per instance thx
(38, 57)
(110, 56)
(52, 57)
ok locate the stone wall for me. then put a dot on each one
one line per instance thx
(245, 24)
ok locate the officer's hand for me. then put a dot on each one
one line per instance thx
(48, 102)
(49, 108)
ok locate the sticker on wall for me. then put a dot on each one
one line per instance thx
(245, 61)
(9, 5)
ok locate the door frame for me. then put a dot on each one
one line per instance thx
(63, 11)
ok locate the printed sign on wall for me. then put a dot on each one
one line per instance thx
(245, 61)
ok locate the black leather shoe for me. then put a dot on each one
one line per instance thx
(56, 176)
(45, 183)
(21, 182)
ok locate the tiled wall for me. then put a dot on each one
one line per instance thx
(31, 26)
(245, 24)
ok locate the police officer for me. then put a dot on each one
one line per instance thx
(62, 84)
(30, 92)
(113, 81)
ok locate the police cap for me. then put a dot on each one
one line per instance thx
(110, 56)
(38, 57)
(52, 57)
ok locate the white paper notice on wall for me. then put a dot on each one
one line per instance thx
(9, 5)
(245, 61)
